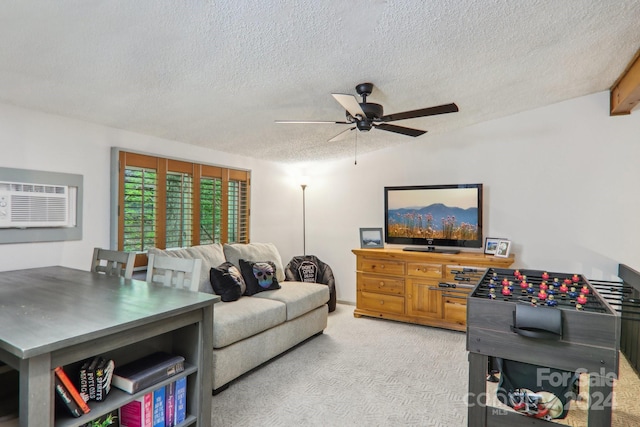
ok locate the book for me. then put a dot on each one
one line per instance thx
(138, 412)
(104, 375)
(147, 371)
(159, 407)
(66, 398)
(71, 389)
(169, 405)
(180, 400)
(82, 375)
(91, 377)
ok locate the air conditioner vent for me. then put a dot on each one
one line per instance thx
(26, 205)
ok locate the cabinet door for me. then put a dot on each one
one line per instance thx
(424, 298)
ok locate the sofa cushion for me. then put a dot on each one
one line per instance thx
(259, 276)
(255, 252)
(211, 256)
(299, 297)
(244, 318)
(227, 281)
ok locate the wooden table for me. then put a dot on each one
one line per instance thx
(56, 316)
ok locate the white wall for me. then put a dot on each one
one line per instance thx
(561, 182)
(33, 140)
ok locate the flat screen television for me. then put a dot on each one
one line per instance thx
(434, 215)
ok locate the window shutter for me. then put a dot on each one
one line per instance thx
(238, 212)
(179, 190)
(210, 210)
(139, 210)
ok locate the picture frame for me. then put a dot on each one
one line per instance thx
(491, 244)
(503, 249)
(371, 238)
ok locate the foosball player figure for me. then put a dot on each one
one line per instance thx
(510, 286)
(542, 295)
(530, 289)
(492, 293)
(523, 286)
(492, 284)
(575, 278)
(534, 302)
(551, 302)
(543, 286)
(505, 282)
(581, 300)
(545, 276)
(584, 290)
(573, 294)
(516, 274)
(552, 290)
(578, 307)
(506, 292)
(563, 289)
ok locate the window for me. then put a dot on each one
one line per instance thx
(167, 203)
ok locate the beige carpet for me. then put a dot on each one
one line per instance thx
(371, 372)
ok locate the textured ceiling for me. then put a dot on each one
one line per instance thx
(219, 73)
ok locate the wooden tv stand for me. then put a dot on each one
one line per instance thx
(405, 286)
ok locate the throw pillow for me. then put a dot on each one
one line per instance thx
(255, 252)
(227, 282)
(259, 276)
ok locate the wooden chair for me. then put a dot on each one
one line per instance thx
(113, 263)
(174, 272)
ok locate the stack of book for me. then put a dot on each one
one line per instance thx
(165, 406)
(95, 378)
(69, 394)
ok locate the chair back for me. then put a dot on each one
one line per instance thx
(113, 263)
(174, 272)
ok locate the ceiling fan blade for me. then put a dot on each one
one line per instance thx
(313, 121)
(431, 111)
(342, 135)
(349, 103)
(400, 129)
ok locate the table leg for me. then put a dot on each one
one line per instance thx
(36, 391)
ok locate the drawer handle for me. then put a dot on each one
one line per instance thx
(381, 302)
(381, 284)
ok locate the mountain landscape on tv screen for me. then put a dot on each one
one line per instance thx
(438, 211)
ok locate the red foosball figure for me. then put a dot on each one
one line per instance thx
(575, 278)
(506, 291)
(582, 300)
(564, 288)
(545, 276)
(584, 290)
(543, 286)
(542, 295)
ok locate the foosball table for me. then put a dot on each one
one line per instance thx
(552, 320)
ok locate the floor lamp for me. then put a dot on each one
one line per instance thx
(304, 217)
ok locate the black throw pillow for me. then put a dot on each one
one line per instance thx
(259, 276)
(227, 281)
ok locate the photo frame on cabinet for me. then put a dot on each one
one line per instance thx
(504, 246)
(491, 244)
(371, 238)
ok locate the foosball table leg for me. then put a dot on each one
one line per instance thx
(477, 398)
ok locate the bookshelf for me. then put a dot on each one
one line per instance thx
(65, 316)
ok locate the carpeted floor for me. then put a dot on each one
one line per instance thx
(360, 372)
(371, 372)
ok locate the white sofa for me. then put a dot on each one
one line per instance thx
(254, 329)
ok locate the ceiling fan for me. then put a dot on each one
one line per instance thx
(365, 115)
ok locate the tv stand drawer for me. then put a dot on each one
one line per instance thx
(381, 302)
(381, 284)
(420, 269)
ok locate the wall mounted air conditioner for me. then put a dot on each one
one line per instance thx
(27, 205)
